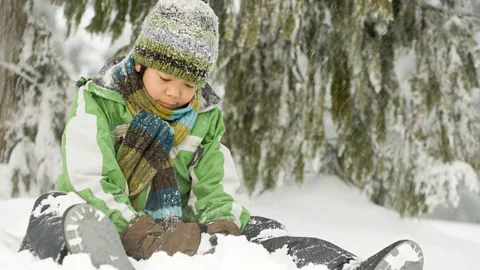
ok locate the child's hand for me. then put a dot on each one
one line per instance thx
(145, 237)
(223, 226)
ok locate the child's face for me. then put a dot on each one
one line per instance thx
(169, 91)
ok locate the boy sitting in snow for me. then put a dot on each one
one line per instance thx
(142, 145)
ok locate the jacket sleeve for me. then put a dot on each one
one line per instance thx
(90, 168)
(215, 179)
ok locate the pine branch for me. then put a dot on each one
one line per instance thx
(449, 12)
(20, 71)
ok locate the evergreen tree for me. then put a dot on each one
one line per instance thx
(432, 132)
(110, 16)
(395, 79)
(35, 119)
(10, 45)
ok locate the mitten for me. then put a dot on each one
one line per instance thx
(145, 237)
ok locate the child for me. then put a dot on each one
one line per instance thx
(142, 145)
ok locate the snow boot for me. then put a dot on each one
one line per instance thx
(44, 236)
(88, 230)
(401, 255)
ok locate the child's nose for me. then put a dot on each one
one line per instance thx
(172, 92)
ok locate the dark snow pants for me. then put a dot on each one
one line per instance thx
(45, 238)
(303, 250)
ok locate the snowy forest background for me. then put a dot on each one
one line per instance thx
(384, 94)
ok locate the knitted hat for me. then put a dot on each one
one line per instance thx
(179, 37)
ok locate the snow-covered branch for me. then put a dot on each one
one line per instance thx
(457, 13)
(20, 71)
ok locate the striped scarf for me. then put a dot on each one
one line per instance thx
(144, 154)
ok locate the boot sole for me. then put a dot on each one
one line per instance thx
(404, 255)
(88, 230)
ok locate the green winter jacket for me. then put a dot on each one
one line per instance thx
(204, 167)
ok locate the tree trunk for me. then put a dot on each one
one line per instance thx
(13, 22)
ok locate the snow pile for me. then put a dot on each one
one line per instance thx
(233, 253)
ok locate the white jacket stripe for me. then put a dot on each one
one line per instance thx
(81, 145)
(231, 183)
(193, 198)
(190, 144)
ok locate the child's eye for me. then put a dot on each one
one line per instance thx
(163, 79)
(189, 86)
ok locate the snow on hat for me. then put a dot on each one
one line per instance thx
(179, 37)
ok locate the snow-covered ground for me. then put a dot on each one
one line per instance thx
(323, 207)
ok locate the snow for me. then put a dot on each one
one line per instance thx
(233, 253)
(18, 159)
(57, 205)
(270, 233)
(466, 231)
(439, 176)
(405, 70)
(435, 3)
(85, 54)
(5, 175)
(327, 209)
(477, 37)
(328, 17)
(323, 207)
(302, 65)
(238, 6)
(454, 20)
